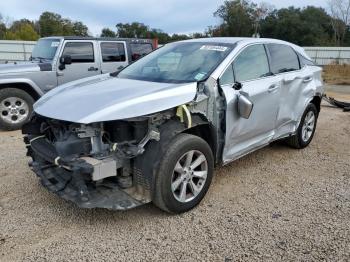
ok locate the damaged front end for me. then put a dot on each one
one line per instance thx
(100, 165)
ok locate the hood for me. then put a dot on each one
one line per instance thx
(22, 67)
(106, 98)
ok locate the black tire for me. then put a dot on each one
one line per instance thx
(17, 93)
(163, 196)
(297, 141)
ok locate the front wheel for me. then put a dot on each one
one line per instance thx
(16, 106)
(184, 175)
(306, 129)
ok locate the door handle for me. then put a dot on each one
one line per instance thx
(58, 73)
(93, 69)
(308, 79)
(273, 88)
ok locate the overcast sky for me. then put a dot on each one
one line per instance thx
(171, 16)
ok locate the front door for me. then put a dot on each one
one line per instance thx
(251, 69)
(84, 61)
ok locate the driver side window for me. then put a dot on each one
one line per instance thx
(251, 63)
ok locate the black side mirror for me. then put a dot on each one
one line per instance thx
(66, 60)
(237, 86)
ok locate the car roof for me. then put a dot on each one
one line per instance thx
(133, 40)
(247, 40)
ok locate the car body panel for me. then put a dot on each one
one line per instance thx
(106, 98)
(297, 90)
(244, 134)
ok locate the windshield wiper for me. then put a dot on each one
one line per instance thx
(41, 59)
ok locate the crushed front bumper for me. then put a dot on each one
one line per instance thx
(68, 178)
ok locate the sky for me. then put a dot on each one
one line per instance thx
(171, 16)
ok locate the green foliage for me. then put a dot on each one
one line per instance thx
(106, 32)
(140, 30)
(237, 17)
(52, 24)
(309, 26)
(21, 30)
(133, 30)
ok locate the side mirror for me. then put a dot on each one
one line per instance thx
(65, 60)
(245, 105)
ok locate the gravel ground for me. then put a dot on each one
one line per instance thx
(275, 204)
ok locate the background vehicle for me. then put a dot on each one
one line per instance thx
(155, 131)
(58, 60)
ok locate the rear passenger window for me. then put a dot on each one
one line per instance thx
(81, 52)
(283, 58)
(139, 50)
(113, 52)
(304, 61)
(251, 63)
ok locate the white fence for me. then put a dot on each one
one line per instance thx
(15, 50)
(329, 55)
(21, 51)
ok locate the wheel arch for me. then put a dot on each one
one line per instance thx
(27, 87)
(316, 100)
(206, 132)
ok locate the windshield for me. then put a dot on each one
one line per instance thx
(178, 63)
(45, 49)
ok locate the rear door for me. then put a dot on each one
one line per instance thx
(84, 61)
(113, 56)
(285, 63)
(251, 69)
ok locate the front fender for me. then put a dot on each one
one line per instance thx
(27, 81)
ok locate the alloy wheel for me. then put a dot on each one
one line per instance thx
(189, 176)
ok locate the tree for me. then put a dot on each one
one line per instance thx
(309, 26)
(237, 17)
(79, 29)
(50, 24)
(53, 24)
(133, 30)
(2, 28)
(260, 12)
(106, 32)
(340, 12)
(24, 32)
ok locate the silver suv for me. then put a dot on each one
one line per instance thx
(58, 60)
(154, 131)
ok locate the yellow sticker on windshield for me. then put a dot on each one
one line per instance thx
(214, 48)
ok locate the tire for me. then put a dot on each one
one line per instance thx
(179, 149)
(16, 107)
(299, 141)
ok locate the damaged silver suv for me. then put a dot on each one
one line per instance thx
(154, 131)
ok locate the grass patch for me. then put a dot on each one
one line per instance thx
(336, 74)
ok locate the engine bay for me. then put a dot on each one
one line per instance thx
(93, 165)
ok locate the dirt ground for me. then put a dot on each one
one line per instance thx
(275, 204)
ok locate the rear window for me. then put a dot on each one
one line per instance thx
(112, 52)
(81, 52)
(304, 61)
(139, 50)
(283, 58)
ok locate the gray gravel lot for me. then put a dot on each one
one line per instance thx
(275, 204)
